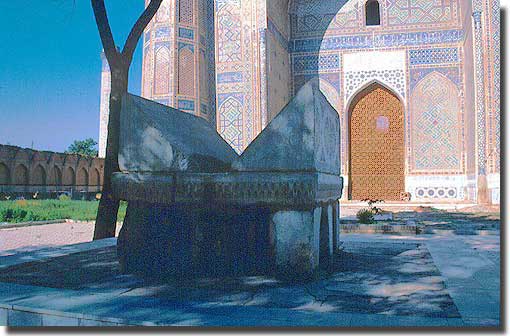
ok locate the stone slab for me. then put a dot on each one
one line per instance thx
(304, 136)
(17, 318)
(51, 252)
(378, 228)
(160, 139)
(3, 316)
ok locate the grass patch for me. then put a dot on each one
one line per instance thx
(43, 210)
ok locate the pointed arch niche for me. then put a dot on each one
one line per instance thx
(435, 125)
(186, 85)
(162, 71)
(376, 145)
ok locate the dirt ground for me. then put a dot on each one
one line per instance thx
(34, 237)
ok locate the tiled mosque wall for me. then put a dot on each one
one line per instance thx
(416, 48)
(492, 49)
(258, 53)
(178, 57)
(240, 70)
(469, 104)
(279, 81)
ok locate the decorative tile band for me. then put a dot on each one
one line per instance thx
(372, 41)
(186, 33)
(186, 105)
(433, 56)
(230, 77)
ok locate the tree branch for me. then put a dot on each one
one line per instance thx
(137, 30)
(105, 31)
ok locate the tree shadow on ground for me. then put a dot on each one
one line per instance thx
(458, 222)
(383, 278)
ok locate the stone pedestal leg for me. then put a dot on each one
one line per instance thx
(331, 230)
(296, 240)
(336, 226)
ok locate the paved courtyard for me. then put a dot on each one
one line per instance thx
(447, 277)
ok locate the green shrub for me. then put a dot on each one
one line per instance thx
(14, 215)
(365, 216)
(64, 197)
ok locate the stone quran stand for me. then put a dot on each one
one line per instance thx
(197, 208)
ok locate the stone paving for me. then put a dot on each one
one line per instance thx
(431, 280)
(32, 238)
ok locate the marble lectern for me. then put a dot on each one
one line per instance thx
(197, 208)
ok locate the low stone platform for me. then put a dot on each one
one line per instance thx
(375, 281)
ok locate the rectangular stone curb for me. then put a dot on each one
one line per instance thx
(378, 228)
(7, 225)
(49, 312)
(20, 316)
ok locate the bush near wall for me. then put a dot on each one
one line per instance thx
(43, 210)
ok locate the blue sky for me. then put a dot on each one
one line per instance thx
(50, 69)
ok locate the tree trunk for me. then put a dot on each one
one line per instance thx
(106, 220)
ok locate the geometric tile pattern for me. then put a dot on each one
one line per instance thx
(481, 122)
(495, 37)
(354, 80)
(409, 12)
(186, 11)
(186, 83)
(162, 71)
(304, 64)
(229, 32)
(435, 119)
(231, 120)
(452, 73)
(310, 18)
(178, 57)
(163, 13)
(436, 192)
(433, 56)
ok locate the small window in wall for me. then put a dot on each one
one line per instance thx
(372, 13)
(382, 123)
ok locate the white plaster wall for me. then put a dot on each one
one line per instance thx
(493, 184)
(375, 60)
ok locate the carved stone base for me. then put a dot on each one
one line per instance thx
(188, 241)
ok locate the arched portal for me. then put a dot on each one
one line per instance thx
(39, 176)
(5, 174)
(83, 177)
(21, 175)
(95, 178)
(162, 71)
(69, 177)
(376, 142)
(56, 176)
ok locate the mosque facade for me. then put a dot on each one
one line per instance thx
(415, 83)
